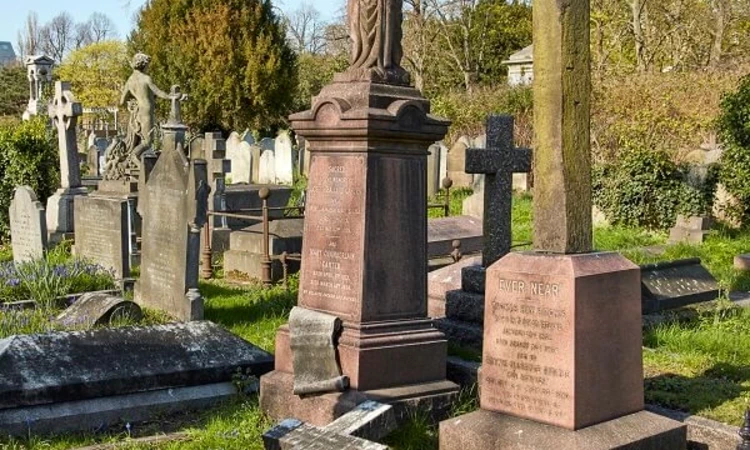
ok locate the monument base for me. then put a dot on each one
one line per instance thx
(60, 213)
(483, 430)
(279, 402)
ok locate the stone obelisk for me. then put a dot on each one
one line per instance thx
(364, 254)
(562, 363)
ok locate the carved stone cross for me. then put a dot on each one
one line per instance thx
(64, 112)
(498, 162)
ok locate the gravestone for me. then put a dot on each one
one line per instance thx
(473, 205)
(255, 152)
(434, 181)
(457, 163)
(174, 209)
(690, 230)
(95, 309)
(93, 158)
(215, 151)
(240, 154)
(355, 430)
(284, 159)
(267, 174)
(676, 284)
(28, 226)
(103, 232)
(65, 111)
(368, 132)
(79, 381)
(443, 231)
(562, 363)
(443, 162)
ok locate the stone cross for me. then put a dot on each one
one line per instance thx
(64, 112)
(498, 163)
(562, 158)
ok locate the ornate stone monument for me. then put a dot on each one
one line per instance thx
(39, 72)
(368, 133)
(562, 363)
(65, 111)
(174, 206)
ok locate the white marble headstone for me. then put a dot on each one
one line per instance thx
(267, 169)
(284, 159)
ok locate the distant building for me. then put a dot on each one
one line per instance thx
(7, 55)
(521, 67)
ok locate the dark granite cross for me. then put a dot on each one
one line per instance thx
(498, 163)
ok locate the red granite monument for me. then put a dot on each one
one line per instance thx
(364, 253)
(562, 363)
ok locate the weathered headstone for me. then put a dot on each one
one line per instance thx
(356, 430)
(94, 309)
(443, 162)
(690, 230)
(28, 226)
(562, 325)
(103, 232)
(79, 381)
(255, 152)
(284, 159)
(433, 170)
(676, 284)
(174, 209)
(457, 163)
(240, 154)
(92, 160)
(267, 174)
(473, 205)
(245, 255)
(369, 133)
(64, 111)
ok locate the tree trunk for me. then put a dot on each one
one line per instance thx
(637, 7)
(717, 49)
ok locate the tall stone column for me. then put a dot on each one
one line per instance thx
(364, 254)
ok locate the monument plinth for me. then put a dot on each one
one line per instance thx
(562, 357)
(364, 254)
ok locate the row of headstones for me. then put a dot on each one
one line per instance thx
(269, 161)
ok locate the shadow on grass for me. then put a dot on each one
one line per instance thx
(230, 305)
(720, 384)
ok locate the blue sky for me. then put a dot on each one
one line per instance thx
(14, 12)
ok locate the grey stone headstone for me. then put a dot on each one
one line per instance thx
(94, 309)
(103, 233)
(45, 369)
(676, 284)
(92, 160)
(433, 169)
(284, 159)
(457, 163)
(174, 211)
(28, 226)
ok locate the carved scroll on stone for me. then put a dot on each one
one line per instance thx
(316, 368)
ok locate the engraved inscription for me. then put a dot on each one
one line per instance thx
(527, 367)
(334, 220)
(27, 227)
(99, 233)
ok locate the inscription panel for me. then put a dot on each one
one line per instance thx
(528, 349)
(102, 233)
(331, 278)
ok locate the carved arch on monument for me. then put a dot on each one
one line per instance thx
(409, 114)
(328, 112)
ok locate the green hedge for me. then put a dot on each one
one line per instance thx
(734, 123)
(28, 156)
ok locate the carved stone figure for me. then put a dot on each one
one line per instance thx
(375, 30)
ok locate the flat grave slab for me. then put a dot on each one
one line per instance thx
(441, 232)
(676, 284)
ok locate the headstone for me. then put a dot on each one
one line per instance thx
(742, 262)
(103, 232)
(479, 141)
(267, 173)
(562, 356)
(174, 206)
(676, 284)
(240, 154)
(690, 230)
(369, 133)
(355, 430)
(305, 152)
(473, 205)
(95, 309)
(441, 232)
(457, 163)
(255, 153)
(28, 226)
(245, 255)
(77, 380)
(92, 160)
(443, 162)
(64, 111)
(267, 144)
(284, 159)
(433, 170)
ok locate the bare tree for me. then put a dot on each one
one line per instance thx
(101, 27)
(29, 38)
(58, 36)
(82, 36)
(420, 35)
(306, 30)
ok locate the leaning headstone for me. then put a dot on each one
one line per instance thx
(355, 430)
(79, 381)
(267, 174)
(284, 159)
(676, 284)
(64, 111)
(457, 163)
(174, 206)
(690, 230)
(95, 309)
(562, 354)
(28, 226)
(103, 232)
(433, 169)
